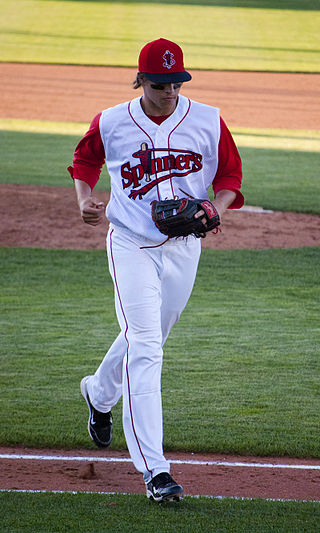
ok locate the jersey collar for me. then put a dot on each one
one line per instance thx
(146, 123)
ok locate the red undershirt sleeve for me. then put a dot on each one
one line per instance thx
(229, 172)
(89, 155)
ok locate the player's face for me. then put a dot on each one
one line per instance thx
(160, 98)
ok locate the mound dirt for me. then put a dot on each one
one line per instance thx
(48, 217)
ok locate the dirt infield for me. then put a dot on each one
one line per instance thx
(45, 209)
(48, 217)
(77, 94)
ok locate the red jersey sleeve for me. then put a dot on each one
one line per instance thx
(89, 155)
(229, 172)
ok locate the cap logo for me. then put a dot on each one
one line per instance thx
(168, 59)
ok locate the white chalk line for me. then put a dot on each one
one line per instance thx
(196, 496)
(172, 461)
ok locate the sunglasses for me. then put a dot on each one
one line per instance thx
(161, 87)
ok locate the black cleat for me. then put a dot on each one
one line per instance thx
(163, 488)
(99, 424)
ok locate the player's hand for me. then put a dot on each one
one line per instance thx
(92, 212)
(199, 215)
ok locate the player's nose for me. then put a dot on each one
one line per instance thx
(169, 88)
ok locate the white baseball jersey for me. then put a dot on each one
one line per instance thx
(147, 161)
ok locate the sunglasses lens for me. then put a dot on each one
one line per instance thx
(159, 87)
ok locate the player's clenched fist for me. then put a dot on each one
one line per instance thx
(92, 212)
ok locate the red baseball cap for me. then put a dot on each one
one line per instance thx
(162, 62)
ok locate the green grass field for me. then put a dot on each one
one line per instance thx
(88, 513)
(253, 365)
(215, 35)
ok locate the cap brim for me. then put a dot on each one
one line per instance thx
(172, 77)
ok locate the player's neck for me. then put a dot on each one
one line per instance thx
(158, 110)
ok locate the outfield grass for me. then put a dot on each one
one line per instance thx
(40, 159)
(222, 36)
(247, 343)
(282, 180)
(97, 513)
(280, 176)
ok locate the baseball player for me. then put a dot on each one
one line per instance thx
(158, 146)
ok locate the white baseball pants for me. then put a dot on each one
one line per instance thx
(152, 287)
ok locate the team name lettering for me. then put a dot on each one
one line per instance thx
(131, 176)
(152, 168)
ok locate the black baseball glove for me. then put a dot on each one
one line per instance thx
(175, 218)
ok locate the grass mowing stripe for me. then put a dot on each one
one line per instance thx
(44, 126)
(308, 141)
(89, 513)
(250, 359)
(110, 33)
(277, 142)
